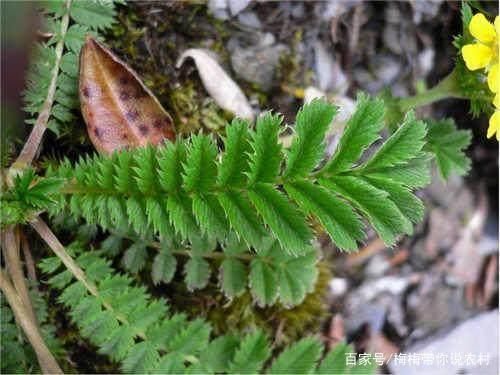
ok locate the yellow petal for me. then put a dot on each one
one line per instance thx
(481, 29)
(496, 100)
(476, 56)
(494, 125)
(493, 78)
(497, 26)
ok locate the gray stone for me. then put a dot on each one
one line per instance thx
(236, 6)
(424, 10)
(434, 305)
(249, 19)
(256, 62)
(328, 71)
(218, 8)
(462, 348)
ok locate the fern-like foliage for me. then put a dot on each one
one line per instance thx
(17, 356)
(140, 332)
(257, 190)
(28, 195)
(86, 17)
(271, 275)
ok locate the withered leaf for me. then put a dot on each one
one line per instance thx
(119, 110)
(225, 92)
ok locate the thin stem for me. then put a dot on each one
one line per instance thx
(446, 88)
(47, 362)
(31, 146)
(15, 269)
(57, 247)
(28, 258)
(188, 252)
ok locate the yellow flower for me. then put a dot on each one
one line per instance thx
(495, 119)
(493, 78)
(479, 55)
(484, 55)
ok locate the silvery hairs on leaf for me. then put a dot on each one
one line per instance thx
(225, 92)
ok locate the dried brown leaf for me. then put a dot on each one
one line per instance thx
(119, 110)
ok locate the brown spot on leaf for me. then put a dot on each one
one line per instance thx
(124, 95)
(132, 115)
(86, 92)
(98, 132)
(144, 129)
(162, 123)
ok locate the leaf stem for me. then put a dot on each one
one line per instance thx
(10, 245)
(31, 146)
(446, 88)
(47, 362)
(57, 247)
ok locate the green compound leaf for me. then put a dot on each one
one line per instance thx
(247, 195)
(233, 277)
(263, 283)
(448, 145)
(164, 266)
(266, 158)
(307, 148)
(362, 130)
(300, 358)
(251, 354)
(197, 271)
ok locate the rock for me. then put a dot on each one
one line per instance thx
(464, 259)
(376, 266)
(328, 71)
(218, 8)
(425, 61)
(398, 34)
(236, 6)
(444, 192)
(298, 10)
(256, 63)
(434, 305)
(424, 10)
(223, 9)
(489, 241)
(470, 348)
(334, 9)
(384, 70)
(249, 19)
(373, 300)
(443, 232)
(338, 286)
(358, 315)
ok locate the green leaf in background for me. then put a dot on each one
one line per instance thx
(448, 145)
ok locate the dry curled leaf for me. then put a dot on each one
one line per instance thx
(225, 92)
(119, 110)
